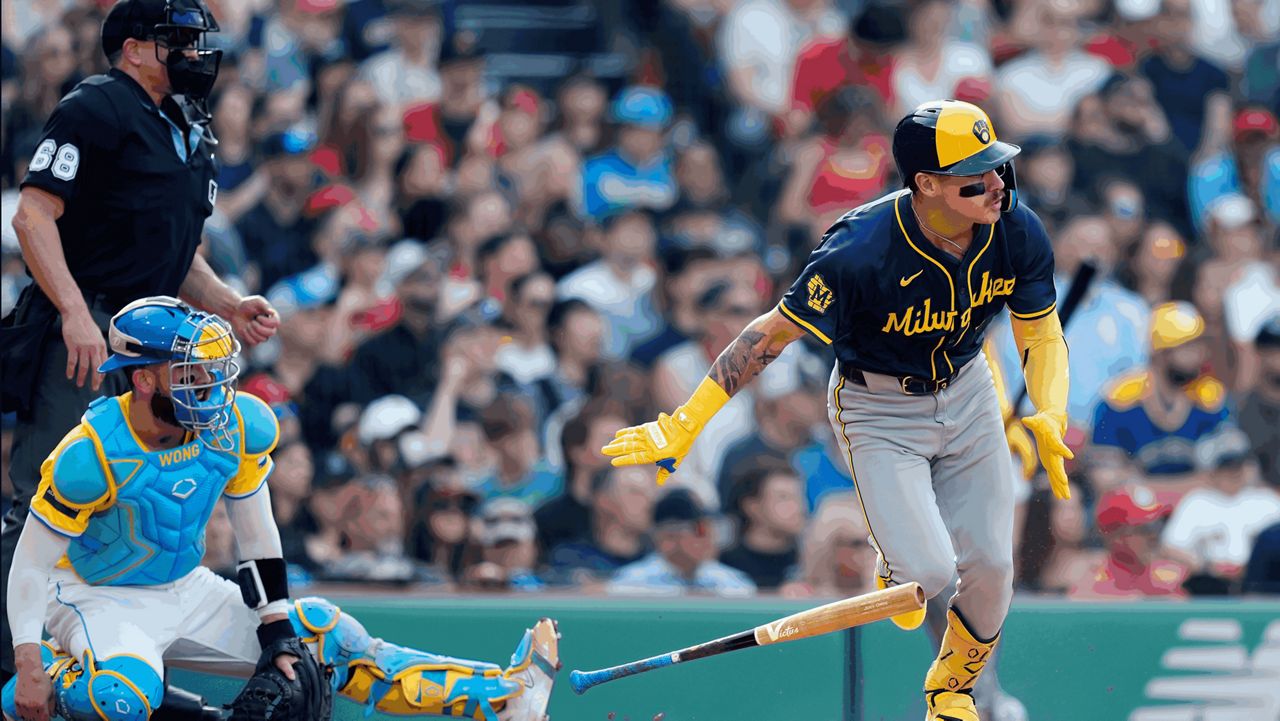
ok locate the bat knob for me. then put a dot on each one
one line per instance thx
(578, 680)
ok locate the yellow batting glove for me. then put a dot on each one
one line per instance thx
(1048, 428)
(1020, 445)
(667, 440)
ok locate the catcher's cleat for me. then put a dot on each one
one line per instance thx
(908, 621)
(534, 665)
(948, 687)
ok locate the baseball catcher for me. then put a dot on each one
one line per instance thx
(109, 563)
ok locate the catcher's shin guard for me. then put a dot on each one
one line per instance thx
(403, 681)
(948, 687)
(116, 688)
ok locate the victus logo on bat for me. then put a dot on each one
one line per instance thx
(1211, 673)
(777, 632)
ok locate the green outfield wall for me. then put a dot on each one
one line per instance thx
(1067, 661)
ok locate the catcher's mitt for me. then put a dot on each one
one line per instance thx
(270, 696)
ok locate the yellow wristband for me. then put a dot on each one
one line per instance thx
(705, 402)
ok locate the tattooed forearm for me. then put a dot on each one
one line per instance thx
(745, 357)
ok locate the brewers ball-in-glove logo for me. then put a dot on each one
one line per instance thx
(982, 131)
(820, 296)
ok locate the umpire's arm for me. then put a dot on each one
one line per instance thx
(36, 224)
(252, 317)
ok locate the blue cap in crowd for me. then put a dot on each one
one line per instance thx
(643, 106)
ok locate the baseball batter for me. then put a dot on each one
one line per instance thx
(904, 288)
(108, 563)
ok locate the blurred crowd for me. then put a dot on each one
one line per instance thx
(488, 255)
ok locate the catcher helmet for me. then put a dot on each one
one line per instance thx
(950, 137)
(202, 352)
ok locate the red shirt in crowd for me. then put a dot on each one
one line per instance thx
(826, 66)
(845, 185)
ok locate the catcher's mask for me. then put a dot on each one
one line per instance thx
(202, 354)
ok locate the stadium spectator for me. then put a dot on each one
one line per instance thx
(757, 44)
(933, 61)
(405, 73)
(1192, 90)
(528, 358)
(620, 517)
(1053, 552)
(1129, 520)
(1152, 262)
(290, 488)
(1262, 575)
(863, 57)
(439, 534)
(275, 232)
(405, 358)
(1037, 91)
(294, 37)
(790, 403)
(619, 285)
(1122, 132)
(1106, 332)
(507, 545)
(422, 191)
(835, 558)
(582, 102)
(684, 558)
(703, 216)
(382, 424)
(501, 259)
(1249, 165)
(1260, 410)
(1124, 206)
(637, 172)
(848, 165)
(769, 506)
(370, 522)
(1155, 417)
(1045, 173)
(577, 337)
(522, 472)
(567, 517)
(1213, 527)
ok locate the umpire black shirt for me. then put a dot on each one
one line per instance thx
(137, 184)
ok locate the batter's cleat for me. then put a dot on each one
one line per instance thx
(948, 687)
(908, 621)
(534, 665)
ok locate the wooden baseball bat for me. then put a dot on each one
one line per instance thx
(837, 616)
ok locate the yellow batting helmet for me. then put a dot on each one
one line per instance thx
(950, 137)
(1173, 324)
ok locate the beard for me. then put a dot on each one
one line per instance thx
(162, 408)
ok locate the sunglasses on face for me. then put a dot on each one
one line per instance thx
(465, 504)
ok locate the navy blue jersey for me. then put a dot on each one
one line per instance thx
(892, 303)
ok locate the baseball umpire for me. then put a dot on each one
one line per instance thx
(904, 288)
(112, 209)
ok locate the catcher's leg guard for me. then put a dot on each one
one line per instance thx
(948, 687)
(116, 688)
(404, 681)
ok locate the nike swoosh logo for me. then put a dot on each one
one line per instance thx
(904, 282)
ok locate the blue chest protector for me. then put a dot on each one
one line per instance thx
(154, 532)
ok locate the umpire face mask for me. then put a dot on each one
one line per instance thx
(192, 68)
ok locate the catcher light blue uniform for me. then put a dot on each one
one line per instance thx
(129, 597)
